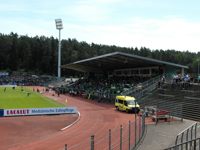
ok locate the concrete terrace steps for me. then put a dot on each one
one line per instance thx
(182, 103)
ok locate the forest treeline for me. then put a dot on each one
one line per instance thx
(39, 54)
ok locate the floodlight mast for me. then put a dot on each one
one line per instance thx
(59, 26)
(198, 73)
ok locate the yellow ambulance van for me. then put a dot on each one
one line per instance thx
(127, 103)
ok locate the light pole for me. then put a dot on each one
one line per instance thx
(59, 26)
(135, 124)
(198, 65)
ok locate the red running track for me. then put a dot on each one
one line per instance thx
(96, 119)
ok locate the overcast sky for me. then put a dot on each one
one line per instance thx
(155, 24)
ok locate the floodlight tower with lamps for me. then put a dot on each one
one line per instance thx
(198, 60)
(198, 66)
(59, 26)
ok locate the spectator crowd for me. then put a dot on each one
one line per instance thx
(24, 79)
(102, 88)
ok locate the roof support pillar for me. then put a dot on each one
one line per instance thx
(182, 71)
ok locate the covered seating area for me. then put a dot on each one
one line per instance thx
(111, 74)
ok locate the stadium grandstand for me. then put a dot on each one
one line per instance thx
(119, 73)
(158, 84)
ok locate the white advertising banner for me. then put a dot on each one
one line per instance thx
(39, 111)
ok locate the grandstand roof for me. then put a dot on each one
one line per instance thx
(117, 60)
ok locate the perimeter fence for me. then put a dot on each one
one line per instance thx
(124, 137)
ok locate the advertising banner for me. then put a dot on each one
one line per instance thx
(1, 112)
(39, 111)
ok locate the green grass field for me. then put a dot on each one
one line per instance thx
(16, 98)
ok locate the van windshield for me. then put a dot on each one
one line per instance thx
(131, 102)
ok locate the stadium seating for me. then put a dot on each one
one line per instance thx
(103, 89)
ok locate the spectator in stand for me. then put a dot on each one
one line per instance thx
(163, 79)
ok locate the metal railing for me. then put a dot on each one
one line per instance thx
(125, 137)
(187, 139)
(189, 145)
(189, 133)
(141, 89)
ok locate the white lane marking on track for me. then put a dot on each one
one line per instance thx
(79, 115)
